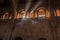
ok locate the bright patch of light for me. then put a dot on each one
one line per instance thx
(41, 15)
(25, 17)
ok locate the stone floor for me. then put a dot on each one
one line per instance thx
(28, 30)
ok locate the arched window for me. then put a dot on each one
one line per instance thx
(42, 39)
(18, 38)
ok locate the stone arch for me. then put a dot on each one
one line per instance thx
(42, 10)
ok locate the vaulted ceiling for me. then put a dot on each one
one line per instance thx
(53, 3)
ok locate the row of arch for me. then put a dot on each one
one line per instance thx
(39, 13)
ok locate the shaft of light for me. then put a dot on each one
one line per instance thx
(28, 5)
(38, 4)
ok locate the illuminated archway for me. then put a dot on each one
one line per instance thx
(22, 14)
(42, 13)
